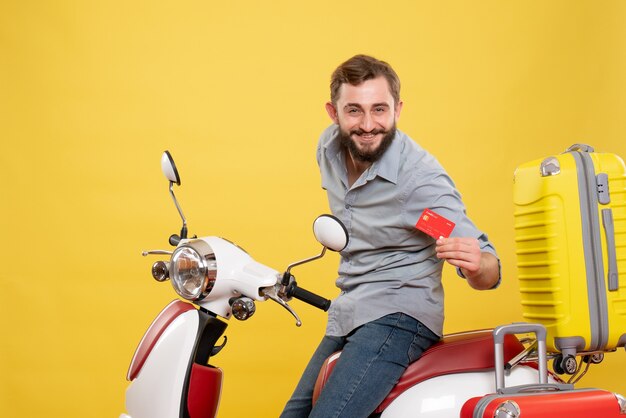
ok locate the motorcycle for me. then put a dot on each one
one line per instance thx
(171, 374)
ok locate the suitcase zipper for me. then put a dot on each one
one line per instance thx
(592, 250)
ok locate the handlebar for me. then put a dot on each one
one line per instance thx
(308, 297)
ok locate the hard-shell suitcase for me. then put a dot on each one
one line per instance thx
(570, 234)
(581, 403)
(543, 399)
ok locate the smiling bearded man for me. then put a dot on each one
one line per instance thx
(390, 306)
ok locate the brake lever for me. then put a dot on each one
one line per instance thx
(270, 292)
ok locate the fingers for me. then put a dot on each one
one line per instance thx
(460, 252)
(457, 245)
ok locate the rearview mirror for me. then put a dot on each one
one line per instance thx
(330, 232)
(169, 168)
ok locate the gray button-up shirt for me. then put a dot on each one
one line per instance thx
(390, 266)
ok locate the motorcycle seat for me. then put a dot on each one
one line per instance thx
(455, 353)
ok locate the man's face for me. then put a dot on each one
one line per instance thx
(367, 116)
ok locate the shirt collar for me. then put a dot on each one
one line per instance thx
(387, 166)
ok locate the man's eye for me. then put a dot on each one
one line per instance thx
(353, 110)
(379, 109)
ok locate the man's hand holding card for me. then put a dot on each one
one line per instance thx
(460, 252)
(481, 270)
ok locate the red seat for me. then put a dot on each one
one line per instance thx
(455, 353)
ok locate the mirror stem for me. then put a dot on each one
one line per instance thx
(297, 263)
(183, 231)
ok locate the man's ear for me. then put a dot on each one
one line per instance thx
(332, 112)
(398, 110)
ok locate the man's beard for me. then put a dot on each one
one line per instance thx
(367, 155)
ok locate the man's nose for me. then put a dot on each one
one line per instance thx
(367, 122)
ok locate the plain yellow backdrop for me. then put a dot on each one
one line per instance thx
(91, 93)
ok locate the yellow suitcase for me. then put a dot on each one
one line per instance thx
(570, 234)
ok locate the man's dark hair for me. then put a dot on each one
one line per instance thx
(361, 68)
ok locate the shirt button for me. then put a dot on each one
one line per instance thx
(347, 206)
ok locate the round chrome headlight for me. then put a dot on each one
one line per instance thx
(193, 270)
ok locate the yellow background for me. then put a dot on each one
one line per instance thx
(91, 93)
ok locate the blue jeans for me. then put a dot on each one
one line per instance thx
(374, 357)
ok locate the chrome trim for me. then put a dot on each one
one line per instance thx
(521, 356)
(180, 210)
(243, 308)
(208, 264)
(306, 260)
(622, 403)
(158, 252)
(161, 271)
(271, 292)
(507, 409)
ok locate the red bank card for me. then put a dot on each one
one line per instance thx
(434, 224)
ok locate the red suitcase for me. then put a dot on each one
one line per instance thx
(574, 403)
(543, 399)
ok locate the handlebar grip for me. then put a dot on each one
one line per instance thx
(310, 298)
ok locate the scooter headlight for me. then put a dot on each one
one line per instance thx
(193, 270)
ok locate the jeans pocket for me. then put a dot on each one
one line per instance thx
(422, 340)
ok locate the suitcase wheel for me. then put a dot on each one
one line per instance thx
(567, 364)
(595, 358)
